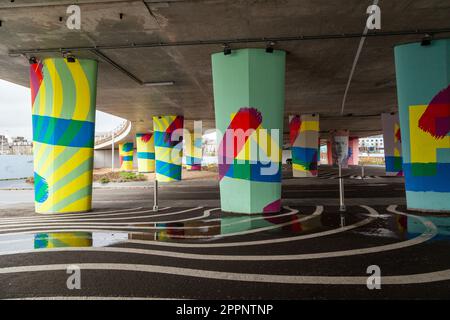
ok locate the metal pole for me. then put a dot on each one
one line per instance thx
(362, 171)
(155, 195)
(112, 152)
(341, 190)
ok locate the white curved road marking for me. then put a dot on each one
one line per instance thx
(88, 221)
(443, 275)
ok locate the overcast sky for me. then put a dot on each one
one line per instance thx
(15, 112)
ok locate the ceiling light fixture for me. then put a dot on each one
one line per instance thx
(226, 49)
(158, 84)
(269, 47)
(426, 40)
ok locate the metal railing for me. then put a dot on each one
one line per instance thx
(103, 137)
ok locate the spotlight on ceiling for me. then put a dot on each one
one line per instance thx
(69, 57)
(226, 49)
(158, 84)
(32, 60)
(269, 47)
(426, 40)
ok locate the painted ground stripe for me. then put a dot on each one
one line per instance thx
(92, 229)
(126, 224)
(436, 276)
(106, 216)
(207, 213)
(38, 223)
(430, 232)
(93, 298)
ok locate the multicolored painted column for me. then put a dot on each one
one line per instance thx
(339, 147)
(353, 151)
(304, 138)
(126, 151)
(145, 143)
(392, 144)
(63, 96)
(193, 150)
(249, 108)
(168, 131)
(423, 90)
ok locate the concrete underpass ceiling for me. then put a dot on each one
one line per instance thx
(317, 70)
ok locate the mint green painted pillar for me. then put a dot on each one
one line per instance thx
(423, 90)
(249, 109)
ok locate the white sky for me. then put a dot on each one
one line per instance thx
(15, 112)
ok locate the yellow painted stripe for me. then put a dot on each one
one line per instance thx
(57, 88)
(309, 126)
(83, 93)
(77, 184)
(42, 99)
(83, 204)
(56, 151)
(79, 157)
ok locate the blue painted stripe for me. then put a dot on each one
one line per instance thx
(300, 154)
(437, 182)
(127, 158)
(63, 132)
(146, 155)
(168, 169)
(162, 139)
(127, 147)
(191, 161)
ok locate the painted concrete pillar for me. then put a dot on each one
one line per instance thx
(126, 151)
(193, 150)
(168, 131)
(353, 151)
(339, 147)
(423, 90)
(392, 144)
(145, 144)
(304, 138)
(249, 107)
(329, 152)
(63, 96)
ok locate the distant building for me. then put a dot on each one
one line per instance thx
(374, 144)
(16, 146)
(20, 145)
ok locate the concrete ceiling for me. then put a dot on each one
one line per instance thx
(317, 70)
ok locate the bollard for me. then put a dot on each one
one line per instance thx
(362, 172)
(341, 190)
(155, 195)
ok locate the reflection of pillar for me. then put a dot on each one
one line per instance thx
(353, 151)
(168, 147)
(63, 98)
(249, 97)
(423, 79)
(339, 147)
(193, 148)
(126, 156)
(304, 138)
(62, 239)
(392, 144)
(145, 152)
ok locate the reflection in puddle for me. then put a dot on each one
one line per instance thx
(26, 242)
(230, 225)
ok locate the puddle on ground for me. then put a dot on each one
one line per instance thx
(278, 225)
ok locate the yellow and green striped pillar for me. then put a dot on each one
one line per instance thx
(126, 151)
(63, 96)
(145, 144)
(193, 149)
(168, 131)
